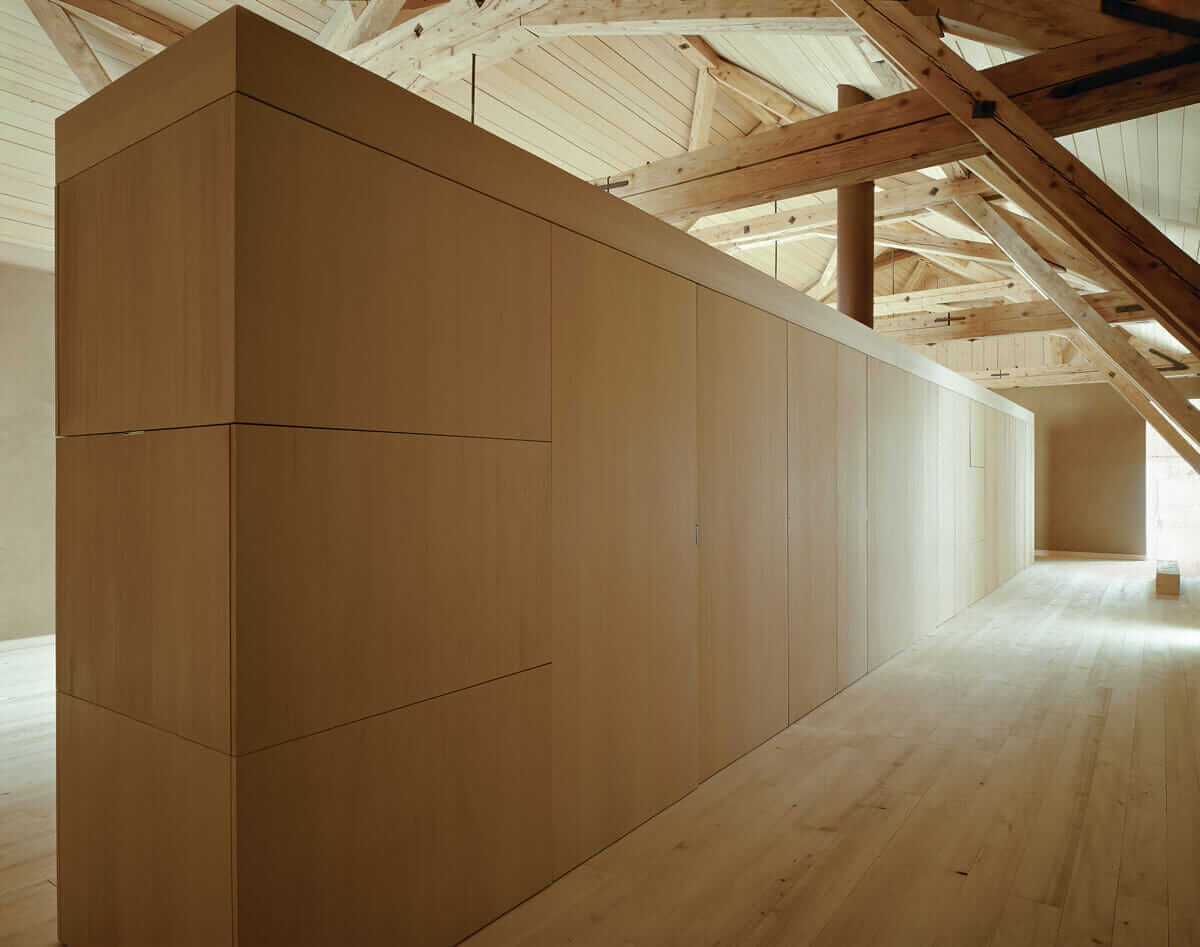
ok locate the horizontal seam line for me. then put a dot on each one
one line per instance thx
(302, 736)
(308, 427)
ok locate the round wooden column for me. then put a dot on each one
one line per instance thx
(856, 236)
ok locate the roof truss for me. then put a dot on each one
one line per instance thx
(910, 131)
(1148, 263)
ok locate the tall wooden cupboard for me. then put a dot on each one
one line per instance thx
(428, 519)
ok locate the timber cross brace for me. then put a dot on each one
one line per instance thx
(1141, 258)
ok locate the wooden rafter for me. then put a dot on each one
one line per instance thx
(1057, 251)
(71, 45)
(938, 246)
(1052, 240)
(825, 288)
(339, 28)
(909, 131)
(1023, 25)
(1147, 409)
(137, 19)
(1142, 258)
(1104, 345)
(375, 19)
(969, 271)
(827, 282)
(432, 42)
(767, 102)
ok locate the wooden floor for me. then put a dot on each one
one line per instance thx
(28, 898)
(1029, 775)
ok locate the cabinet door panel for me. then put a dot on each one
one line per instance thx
(372, 303)
(143, 577)
(813, 520)
(742, 391)
(411, 827)
(145, 260)
(625, 559)
(893, 432)
(144, 833)
(851, 399)
(375, 570)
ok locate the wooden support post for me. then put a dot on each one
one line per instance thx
(702, 111)
(855, 237)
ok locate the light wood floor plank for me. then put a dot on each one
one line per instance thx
(1027, 775)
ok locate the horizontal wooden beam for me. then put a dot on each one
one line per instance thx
(998, 380)
(893, 204)
(946, 296)
(928, 327)
(909, 131)
(1026, 25)
(624, 17)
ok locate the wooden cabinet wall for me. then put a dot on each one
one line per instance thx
(414, 545)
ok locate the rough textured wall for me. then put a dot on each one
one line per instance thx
(26, 452)
(1091, 469)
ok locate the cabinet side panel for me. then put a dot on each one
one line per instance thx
(143, 577)
(947, 504)
(144, 834)
(145, 282)
(852, 611)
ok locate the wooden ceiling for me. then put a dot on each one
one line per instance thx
(599, 88)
